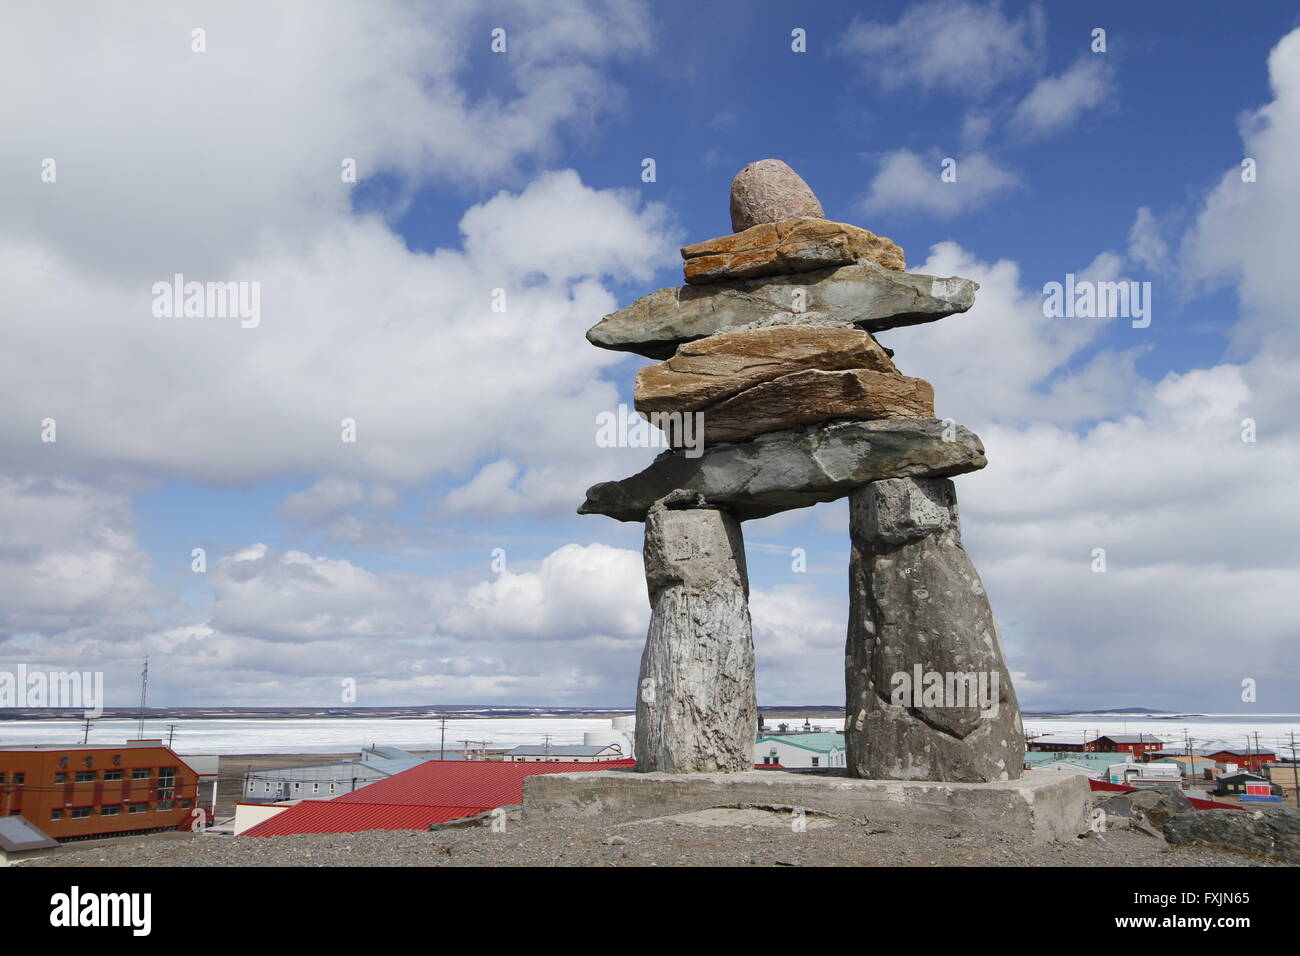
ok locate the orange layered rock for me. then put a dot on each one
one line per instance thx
(800, 244)
(710, 370)
(804, 398)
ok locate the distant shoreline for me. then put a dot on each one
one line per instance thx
(479, 712)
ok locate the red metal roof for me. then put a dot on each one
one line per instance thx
(1197, 802)
(464, 783)
(433, 792)
(329, 816)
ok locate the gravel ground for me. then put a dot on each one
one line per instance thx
(671, 842)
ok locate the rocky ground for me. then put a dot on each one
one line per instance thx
(708, 838)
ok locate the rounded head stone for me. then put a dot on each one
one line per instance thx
(769, 191)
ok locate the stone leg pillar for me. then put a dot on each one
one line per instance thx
(928, 695)
(696, 709)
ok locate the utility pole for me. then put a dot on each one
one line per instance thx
(442, 741)
(546, 744)
(144, 695)
(171, 734)
(86, 736)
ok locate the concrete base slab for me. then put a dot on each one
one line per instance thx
(747, 817)
(1043, 805)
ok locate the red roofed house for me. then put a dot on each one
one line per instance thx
(1135, 744)
(1249, 759)
(433, 792)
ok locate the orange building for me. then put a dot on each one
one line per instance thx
(98, 789)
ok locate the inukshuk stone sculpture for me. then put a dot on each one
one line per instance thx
(771, 345)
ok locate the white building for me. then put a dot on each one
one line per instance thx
(566, 753)
(800, 751)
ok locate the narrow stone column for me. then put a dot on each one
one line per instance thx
(928, 695)
(696, 708)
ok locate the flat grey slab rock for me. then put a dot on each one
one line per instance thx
(863, 294)
(1043, 805)
(795, 468)
(927, 692)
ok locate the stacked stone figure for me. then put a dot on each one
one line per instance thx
(775, 394)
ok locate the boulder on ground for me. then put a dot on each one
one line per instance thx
(1158, 805)
(1272, 832)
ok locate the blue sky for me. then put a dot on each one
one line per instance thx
(522, 170)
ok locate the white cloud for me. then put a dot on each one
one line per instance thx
(69, 562)
(1244, 233)
(907, 183)
(1146, 246)
(1057, 101)
(325, 500)
(1198, 539)
(405, 344)
(968, 48)
(171, 160)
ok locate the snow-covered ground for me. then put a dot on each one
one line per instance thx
(330, 735)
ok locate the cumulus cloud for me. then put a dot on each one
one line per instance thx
(406, 345)
(964, 47)
(1057, 101)
(908, 183)
(1180, 482)
(70, 562)
(172, 160)
(1243, 232)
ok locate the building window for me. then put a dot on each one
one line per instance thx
(297, 787)
(20, 778)
(268, 788)
(60, 778)
(185, 804)
(85, 776)
(56, 814)
(140, 773)
(78, 812)
(2, 776)
(112, 775)
(139, 808)
(109, 810)
(163, 805)
(315, 788)
(816, 761)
